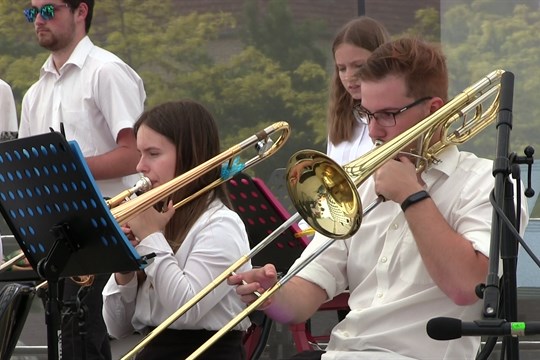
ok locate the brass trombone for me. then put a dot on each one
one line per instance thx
(325, 180)
(142, 185)
(264, 144)
(123, 210)
(327, 197)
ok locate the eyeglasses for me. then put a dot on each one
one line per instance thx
(383, 118)
(46, 11)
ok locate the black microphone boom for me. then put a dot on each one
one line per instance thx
(444, 328)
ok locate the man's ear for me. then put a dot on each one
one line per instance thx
(435, 104)
(82, 10)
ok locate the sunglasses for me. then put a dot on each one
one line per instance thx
(46, 12)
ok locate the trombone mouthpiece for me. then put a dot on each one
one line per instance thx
(142, 185)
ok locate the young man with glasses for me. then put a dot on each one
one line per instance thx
(418, 255)
(95, 98)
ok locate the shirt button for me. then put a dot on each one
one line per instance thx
(395, 226)
(379, 295)
(384, 259)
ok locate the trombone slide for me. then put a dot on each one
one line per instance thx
(259, 301)
(215, 283)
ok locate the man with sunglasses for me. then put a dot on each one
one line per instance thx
(94, 98)
(418, 255)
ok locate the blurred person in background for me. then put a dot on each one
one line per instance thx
(93, 98)
(348, 136)
(8, 125)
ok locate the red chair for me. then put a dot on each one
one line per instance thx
(303, 336)
(262, 213)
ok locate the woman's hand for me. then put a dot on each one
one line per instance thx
(150, 221)
(129, 234)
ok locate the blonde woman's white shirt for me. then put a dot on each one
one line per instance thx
(349, 150)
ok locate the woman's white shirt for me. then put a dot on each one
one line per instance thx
(216, 240)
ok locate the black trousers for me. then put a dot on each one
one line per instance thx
(88, 339)
(307, 355)
(179, 344)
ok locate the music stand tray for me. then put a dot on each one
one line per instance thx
(58, 216)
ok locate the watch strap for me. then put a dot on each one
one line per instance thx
(414, 198)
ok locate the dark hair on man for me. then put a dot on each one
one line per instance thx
(421, 64)
(74, 4)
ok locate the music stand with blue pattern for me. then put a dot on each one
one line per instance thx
(58, 216)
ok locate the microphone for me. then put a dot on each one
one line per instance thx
(444, 328)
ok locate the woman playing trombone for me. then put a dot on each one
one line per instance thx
(193, 244)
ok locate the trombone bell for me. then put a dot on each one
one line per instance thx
(324, 196)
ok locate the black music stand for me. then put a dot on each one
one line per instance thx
(59, 218)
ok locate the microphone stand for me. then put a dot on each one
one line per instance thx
(503, 239)
(504, 246)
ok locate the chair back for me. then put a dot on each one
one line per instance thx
(15, 302)
(262, 213)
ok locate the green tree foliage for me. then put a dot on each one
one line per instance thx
(198, 56)
(480, 36)
(277, 36)
(427, 26)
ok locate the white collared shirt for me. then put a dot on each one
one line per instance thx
(216, 240)
(94, 95)
(349, 150)
(392, 295)
(8, 124)
(8, 120)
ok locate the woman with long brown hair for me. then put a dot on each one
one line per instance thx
(193, 245)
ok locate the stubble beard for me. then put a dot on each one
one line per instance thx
(49, 42)
(54, 41)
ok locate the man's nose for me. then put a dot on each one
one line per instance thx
(376, 131)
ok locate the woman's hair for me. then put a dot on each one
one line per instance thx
(421, 64)
(363, 32)
(193, 131)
